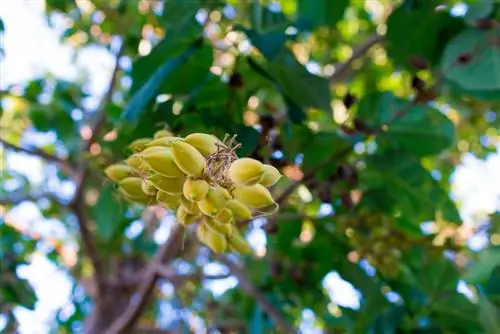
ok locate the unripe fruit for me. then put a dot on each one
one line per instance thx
(239, 210)
(195, 190)
(225, 229)
(203, 142)
(238, 244)
(208, 208)
(224, 192)
(162, 162)
(246, 171)
(148, 188)
(167, 184)
(152, 149)
(135, 161)
(184, 217)
(190, 206)
(188, 159)
(256, 196)
(138, 144)
(144, 200)
(201, 232)
(132, 187)
(225, 216)
(162, 133)
(118, 172)
(162, 142)
(170, 201)
(215, 241)
(270, 177)
(213, 202)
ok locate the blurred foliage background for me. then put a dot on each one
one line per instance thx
(365, 106)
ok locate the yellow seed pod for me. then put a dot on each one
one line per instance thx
(162, 133)
(162, 142)
(215, 241)
(224, 192)
(225, 216)
(188, 159)
(271, 176)
(139, 144)
(256, 196)
(208, 208)
(170, 201)
(246, 171)
(148, 187)
(201, 232)
(190, 206)
(162, 162)
(144, 200)
(238, 244)
(167, 184)
(184, 217)
(152, 149)
(225, 229)
(195, 190)
(118, 172)
(132, 187)
(205, 143)
(135, 161)
(240, 211)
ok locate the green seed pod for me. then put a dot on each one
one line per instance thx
(188, 159)
(195, 190)
(271, 176)
(213, 202)
(170, 201)
(225, 229)
(256, 196)
(118, 172)
(162, 142)
(148, 188)
(238, 244)
(240, 211)
(225, 216)
(201, 232)
(190, 206)
(215, 241)
(205, 143)
(162, 133)
(135, 161)
(139, 144)
(208, 208)
(184, 217)
(132, 187)
(145, 200)
(246, 171)
(167, 184)
(162, 162)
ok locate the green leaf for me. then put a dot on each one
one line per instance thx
(482, 71)
(318, 13)
(478, 10)
(178, 13)
(489, 316)
(326, 145)
(420, 129)
(2, 26)
(406, 27)
(249, 139)
(488, 260)
(270, 44)
(304, 88)
(263, 19)
(437, 278)
(455, 312)
(108, 213)
(412, 189)
(149, 90)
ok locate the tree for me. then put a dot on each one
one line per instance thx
(359, 104)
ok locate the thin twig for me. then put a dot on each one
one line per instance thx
(65, 164)
(138, 302)
(168, 274)
(342, 69)
(253, 291)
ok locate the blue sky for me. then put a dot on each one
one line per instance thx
(33, 49)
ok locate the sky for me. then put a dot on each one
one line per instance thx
(32, 48)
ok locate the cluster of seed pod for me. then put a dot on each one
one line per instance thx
(201, 179)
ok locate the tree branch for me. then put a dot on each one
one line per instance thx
(139, 301)
(342, 69)
(168, 274)
(65, 164)
(253, 291)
